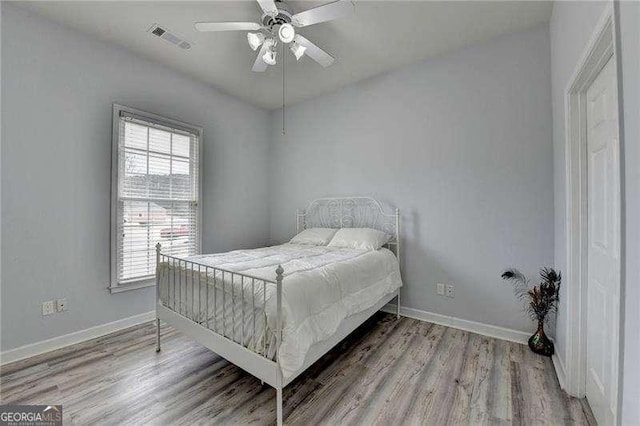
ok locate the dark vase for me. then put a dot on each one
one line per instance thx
(540, 343)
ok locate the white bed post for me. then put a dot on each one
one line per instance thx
(158, 249)
(300, 220)
(398, 256)
(279, 404)
(279, 272)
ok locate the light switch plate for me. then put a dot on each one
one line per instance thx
(61, 305)
(440, 289)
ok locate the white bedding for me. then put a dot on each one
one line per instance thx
(321, 287)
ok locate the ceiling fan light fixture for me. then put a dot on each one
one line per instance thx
(279, 24)
(269, 56)
(297, 50)
(286, 33)
(255, 40)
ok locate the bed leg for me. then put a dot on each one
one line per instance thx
(157, 334)
(398, 306)
(279, 406)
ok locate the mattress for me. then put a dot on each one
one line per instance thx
(321, 287)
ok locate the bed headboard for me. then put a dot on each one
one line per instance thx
(351, 212)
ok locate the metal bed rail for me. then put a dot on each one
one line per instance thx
(212, 296)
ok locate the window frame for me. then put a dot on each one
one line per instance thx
(133, 284)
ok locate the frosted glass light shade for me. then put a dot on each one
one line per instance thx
(255, 40)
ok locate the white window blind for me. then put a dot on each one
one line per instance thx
(157, 194)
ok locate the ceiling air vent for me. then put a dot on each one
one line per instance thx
(167, 35)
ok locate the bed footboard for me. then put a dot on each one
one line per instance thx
(224, 311)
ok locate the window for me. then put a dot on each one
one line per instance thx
(155, 195)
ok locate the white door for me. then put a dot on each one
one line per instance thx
(603, 286)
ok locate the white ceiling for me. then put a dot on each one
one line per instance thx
(379, 37)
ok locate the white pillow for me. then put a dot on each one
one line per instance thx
(360, 238)
(314, 236)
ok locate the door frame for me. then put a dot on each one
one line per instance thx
(600, 49)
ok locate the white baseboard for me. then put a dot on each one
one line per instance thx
(59, 342)
(462, 324)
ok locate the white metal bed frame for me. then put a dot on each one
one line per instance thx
(353, 212)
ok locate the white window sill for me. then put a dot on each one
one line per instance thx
(120, 288)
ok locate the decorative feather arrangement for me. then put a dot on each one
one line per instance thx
(539, 301)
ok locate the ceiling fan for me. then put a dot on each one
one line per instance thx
(278, 24)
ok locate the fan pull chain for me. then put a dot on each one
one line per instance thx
(283, 86)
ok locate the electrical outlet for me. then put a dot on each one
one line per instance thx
(440, 289)
(449, 292)
(61, 305)
(48, 307)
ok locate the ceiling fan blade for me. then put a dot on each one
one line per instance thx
(327, 12)
(260, 65)
(314, 52)
(227, 26)
(268, 7)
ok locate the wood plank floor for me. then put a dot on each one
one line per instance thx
(387, 372)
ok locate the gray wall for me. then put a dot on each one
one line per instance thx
(58, 87)
(571, 25)
(629, 25)
(462, 144)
